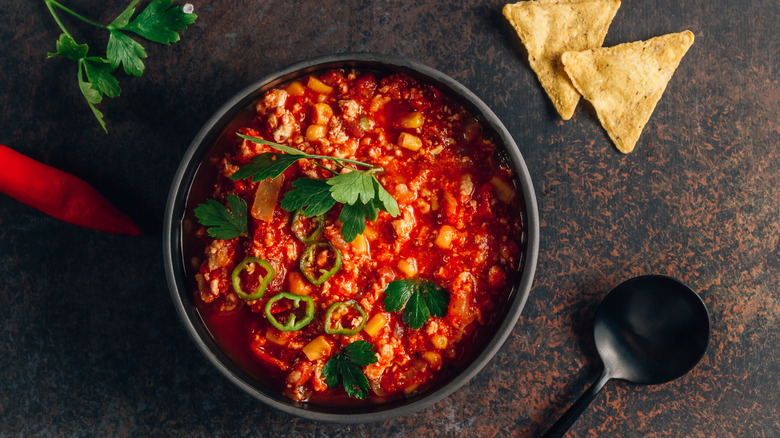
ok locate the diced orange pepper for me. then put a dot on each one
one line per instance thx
(409, 141)
(375, 324)
(319, 86)
(296, 89)
(317, 349)
(316, 132)
(412, 120)
(322, 114)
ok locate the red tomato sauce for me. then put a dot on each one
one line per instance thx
(460, 226)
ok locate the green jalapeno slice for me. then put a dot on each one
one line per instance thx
(318, 223)
(335, 310)
(260, 289)
(309, 267)
(292, 324)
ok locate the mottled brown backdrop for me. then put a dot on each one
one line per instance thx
(90, 344)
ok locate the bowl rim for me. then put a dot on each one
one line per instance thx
(200, 145)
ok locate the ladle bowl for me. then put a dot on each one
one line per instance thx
(649, 330)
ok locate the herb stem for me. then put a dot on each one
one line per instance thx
(326, 168)
(57, 18)
(345, 160)
(51, 3)
(292, 150)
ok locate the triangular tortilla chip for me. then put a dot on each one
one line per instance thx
(625, 82)
(549, 28)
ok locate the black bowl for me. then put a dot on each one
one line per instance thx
(177, 228)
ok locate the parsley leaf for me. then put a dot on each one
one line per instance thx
(159, 22)
(91, 94)
(360, 192)
(345, 367)
(346, 188)
(224, 224)
(398, 293)
(416, 312)
(385, 200)
(311, 196)
(437, 299)
(353, 219)
(372, 211)
(265, 165)
(68, 48)
(100, 75)
(418, 298)
(277, 146)
(93, 97)
(99, 72)
(126, 51)
(360, 353)
(122, 19)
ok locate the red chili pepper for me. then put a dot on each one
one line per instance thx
(60, 194)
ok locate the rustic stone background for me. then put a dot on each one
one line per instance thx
(90, 344)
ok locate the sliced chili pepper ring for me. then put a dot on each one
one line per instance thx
(299, 229)
(335, 310)
(309, 267)
(260, 289)
(293, 323)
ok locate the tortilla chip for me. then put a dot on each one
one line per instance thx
(548, 28)
(625, 82)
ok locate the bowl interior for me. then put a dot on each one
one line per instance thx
(193, 181)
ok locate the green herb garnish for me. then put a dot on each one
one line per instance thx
(159, 23)
(314, 194)
(360, 192)
(418, 298)
(224, 224)
(345, 366)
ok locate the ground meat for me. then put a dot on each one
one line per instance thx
(458, 227)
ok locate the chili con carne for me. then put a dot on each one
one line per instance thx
(460, 227)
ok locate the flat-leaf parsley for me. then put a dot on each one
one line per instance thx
(360, 192)
(418, 298)
(159, 22)
(345, 367)
(223, 224)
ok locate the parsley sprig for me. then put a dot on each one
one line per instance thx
(158, 22)
(359, 190)
(223, 224)
(345, 367)
(418, 298)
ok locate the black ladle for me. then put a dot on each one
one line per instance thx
(649, 330)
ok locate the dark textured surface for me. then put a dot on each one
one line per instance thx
(90, 344)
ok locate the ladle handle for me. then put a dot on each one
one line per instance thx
(569, 417)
